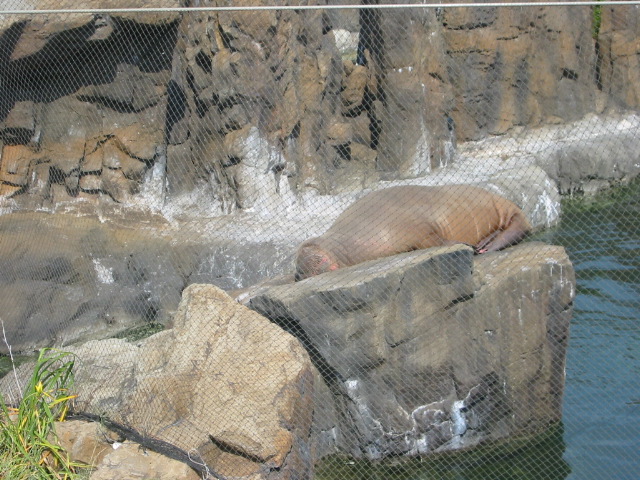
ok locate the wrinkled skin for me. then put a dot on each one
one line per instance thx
(401, 219)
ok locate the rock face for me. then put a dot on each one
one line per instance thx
(432, 350)
(70, 278)
(224, 388)
(257, 106)
(619, 73)
(422, 352)
(83, 102)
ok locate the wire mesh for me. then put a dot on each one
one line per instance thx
(425, 220)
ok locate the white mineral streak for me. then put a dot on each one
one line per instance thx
(420, 163)
(422, 445)
(104, 274)
(153, 191)
(459, 423)
(346, 41)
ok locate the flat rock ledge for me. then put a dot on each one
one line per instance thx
(432, 350)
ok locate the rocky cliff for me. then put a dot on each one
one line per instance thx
(253, 107)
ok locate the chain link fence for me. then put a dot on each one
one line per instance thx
(330, 241)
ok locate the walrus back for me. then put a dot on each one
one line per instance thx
(404, 218)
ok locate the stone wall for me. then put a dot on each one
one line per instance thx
(255, 107)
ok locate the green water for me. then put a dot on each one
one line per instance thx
(514, 460)
(602, 397)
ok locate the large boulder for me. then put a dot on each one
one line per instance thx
(432, 350)
(223, 389)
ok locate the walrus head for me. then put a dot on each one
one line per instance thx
(313, 260)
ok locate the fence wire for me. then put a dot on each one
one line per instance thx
(387, 241)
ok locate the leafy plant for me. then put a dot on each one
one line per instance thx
(28, 446)
(596, 20)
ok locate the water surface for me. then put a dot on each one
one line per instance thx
(602, 397)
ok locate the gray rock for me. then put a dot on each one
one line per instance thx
(433, 350)
(72, 278)
(593, 164)
(91, 282)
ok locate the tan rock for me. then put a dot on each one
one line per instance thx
(6, 189)
(201, 79)
(39, 30)
(71, 182)
(243, 382)
(361, 128)
(235, 143)
(59, 193)
(115, 158)
(117, 185)
(68, 124)
(90, 183)
(20, 124)
(289, 114)
(85, 442)
(620, 69)
(258, 22)
(93, 159)
(15, 164)
(138, 134)
(39, 187)
(363, 154)
(339, 133)
(129, 461)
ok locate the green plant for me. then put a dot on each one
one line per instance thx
(596, 20)
(28, 447)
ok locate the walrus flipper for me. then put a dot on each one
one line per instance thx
(516, 231)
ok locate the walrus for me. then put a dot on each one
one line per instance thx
(405, 218)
